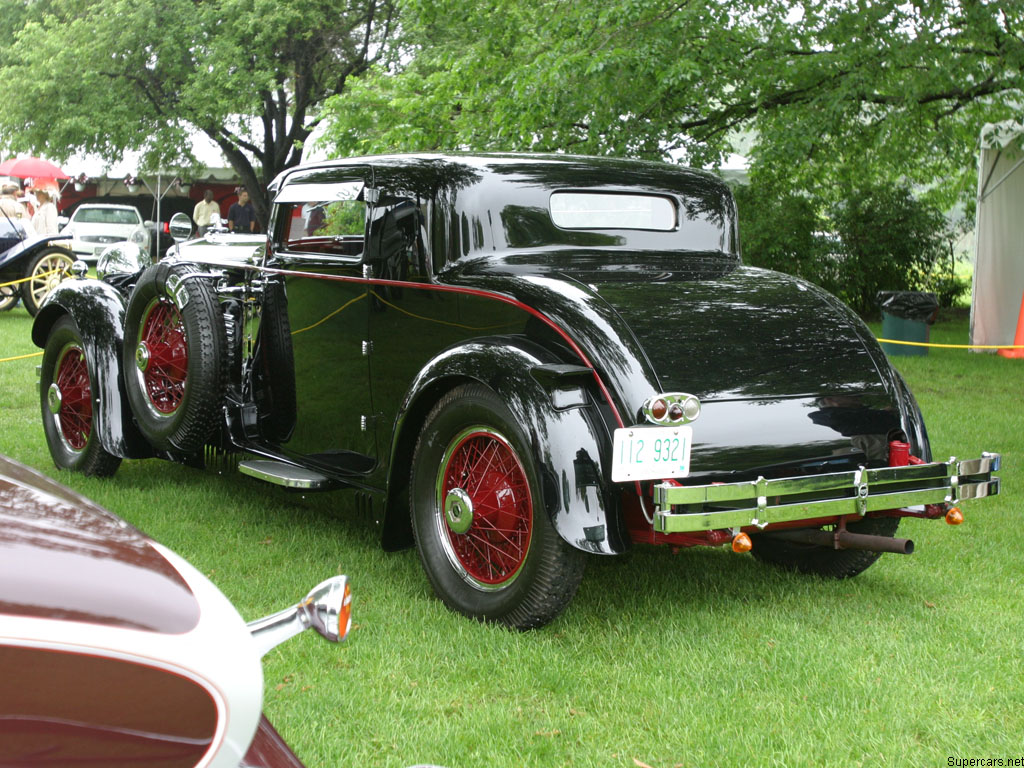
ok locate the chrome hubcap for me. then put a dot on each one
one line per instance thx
(53, 399)
(142, 356)
(458, 510)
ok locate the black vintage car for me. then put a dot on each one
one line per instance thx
(517, 362)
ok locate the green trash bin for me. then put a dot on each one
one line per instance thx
(907, 316)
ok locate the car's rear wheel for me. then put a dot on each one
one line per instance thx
(8, 297)
(484, 538)
(44, 273)
(824, 561)
(174, 360)
(68, 404)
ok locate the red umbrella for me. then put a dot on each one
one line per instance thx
(31, 168)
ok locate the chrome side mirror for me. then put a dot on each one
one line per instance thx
(327, 608)
(180, 227)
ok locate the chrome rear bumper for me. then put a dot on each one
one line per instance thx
(761, 502)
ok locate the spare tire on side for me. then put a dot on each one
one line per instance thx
(174, 357)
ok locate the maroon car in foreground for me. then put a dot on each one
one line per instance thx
(114, 651)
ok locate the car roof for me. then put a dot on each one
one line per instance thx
(546, 168)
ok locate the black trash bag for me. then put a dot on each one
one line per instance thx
(910, 305)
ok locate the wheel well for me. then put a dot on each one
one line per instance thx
(44, 322)
(397, 529)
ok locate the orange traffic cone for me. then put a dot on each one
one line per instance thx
(1018, 339)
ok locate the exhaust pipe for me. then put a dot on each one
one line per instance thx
(843, 539)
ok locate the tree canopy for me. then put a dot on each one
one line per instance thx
(109, 75)
(830, 90)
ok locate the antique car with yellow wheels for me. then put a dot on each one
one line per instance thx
(518, 363)
(30, 265)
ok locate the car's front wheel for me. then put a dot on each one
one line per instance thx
(483, 535)
(68, 401)
(174, 361)
(824, 561)
(45, 271)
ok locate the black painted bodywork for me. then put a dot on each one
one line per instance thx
(463, 276)
(17, 250)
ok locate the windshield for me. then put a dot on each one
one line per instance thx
(107, 216)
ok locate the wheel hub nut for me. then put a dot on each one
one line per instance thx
(458, 511)
(142, 356)
(53, 399)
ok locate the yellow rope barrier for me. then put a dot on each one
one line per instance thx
(952, 346)
(33, 277)
(20, 357)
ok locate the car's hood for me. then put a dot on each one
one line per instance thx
(221, 248)
(63, 557)
(90, 229)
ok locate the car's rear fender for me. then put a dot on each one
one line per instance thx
(556, 407)
(98, 311)
(12, 258)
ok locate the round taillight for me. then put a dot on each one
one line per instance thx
(675, 412)
(658, 409)
(691, 408)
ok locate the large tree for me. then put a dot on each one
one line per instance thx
(109, 75)
(830, 90)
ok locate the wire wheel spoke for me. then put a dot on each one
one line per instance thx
(48, 274)
(484, 466)
(74, 417)
(163, 334)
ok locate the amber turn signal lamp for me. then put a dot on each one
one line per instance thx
(345, 614)
(742, 543)
(954, 516)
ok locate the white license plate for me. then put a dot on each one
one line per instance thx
(651, 453)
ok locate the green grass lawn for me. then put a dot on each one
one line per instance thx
(702, 658)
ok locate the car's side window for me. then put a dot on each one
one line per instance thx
(397, 246)
(334, 223)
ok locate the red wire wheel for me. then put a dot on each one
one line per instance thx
(71, 397)
(162, 356)
(485, 539)
(486, 508)
(175, 360)
(71, 423)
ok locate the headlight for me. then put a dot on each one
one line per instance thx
(121, 259)
(139, 237)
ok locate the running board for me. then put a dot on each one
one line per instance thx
(287, 475)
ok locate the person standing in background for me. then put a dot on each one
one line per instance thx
(45, 219)
(12, 209)
(242, 215)
(204, 210)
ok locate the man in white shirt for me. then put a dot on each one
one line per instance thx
(204, 209)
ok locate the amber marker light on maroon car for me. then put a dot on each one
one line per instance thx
(327, 609)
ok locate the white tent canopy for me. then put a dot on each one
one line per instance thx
(999, 244)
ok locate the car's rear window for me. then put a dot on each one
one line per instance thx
(106, 216)
(611, 210)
